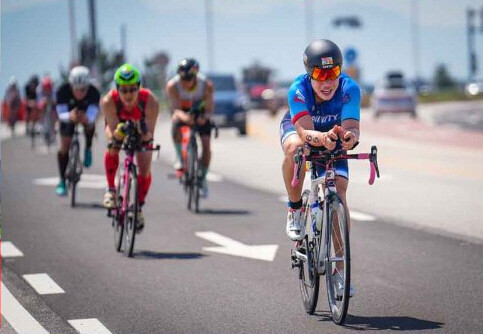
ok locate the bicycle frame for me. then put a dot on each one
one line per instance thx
(313, 255)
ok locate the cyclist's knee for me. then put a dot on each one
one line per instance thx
(290, 147)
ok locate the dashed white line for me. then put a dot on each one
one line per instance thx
(89, 326)
(43, 284)
(212, 177)
(8, 249)
(362, 216)
(18, 317)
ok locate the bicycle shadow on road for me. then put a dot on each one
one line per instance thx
(150, 255)
(91, 205)
(383, 323)
(224, 212)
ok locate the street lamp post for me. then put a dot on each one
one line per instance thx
(209, 34)
(73, 38)
(415, 39)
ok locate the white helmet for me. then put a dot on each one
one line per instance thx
(79, 77)
(12, 81)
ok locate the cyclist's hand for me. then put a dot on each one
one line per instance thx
(147, 136)
(348, 140)
(82, 118)
(329, 139)
(188, 119)
(119, 133)
(202, 120)
(74, 115)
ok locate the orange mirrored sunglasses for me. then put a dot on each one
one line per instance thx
(320, 74)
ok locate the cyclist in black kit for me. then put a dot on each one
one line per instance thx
(77, 102)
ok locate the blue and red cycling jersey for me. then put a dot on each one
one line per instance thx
(345, 104)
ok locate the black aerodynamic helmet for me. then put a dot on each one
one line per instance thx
(322, 54)
(188, 68)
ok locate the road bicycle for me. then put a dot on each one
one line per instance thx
(74, 168)
(191, 178)
(125, 214)
(325, 247)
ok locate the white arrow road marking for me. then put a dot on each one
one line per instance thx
(362, 216)
(9, 250)
(236, 248)
(43, 284)
(90, 181)
(89, 326)
(212, 177)
(18, 317)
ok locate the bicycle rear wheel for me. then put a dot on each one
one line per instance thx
(131, 214)
(309, 280)
(192, 178)
(337, 261)
(118, 218)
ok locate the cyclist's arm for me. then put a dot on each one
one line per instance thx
(350, 115)
(62, 106)
(173, 96)
(208, 98)
(306, 132)
(92, 109)
(108, 108)
(152, 111)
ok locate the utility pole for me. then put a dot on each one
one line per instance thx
(73, 37)
(472, 65)
(123, 41)
(93, 38)
(209, 34)
(415, 39)
(309, 22)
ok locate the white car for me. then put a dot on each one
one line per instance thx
(394, 95)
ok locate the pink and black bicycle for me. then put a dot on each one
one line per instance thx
(325, 247)
(125, 215)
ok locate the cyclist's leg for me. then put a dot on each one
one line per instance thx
(66, 133)
(205, 136)
(290, 143)
(89, 130)
(176, 122)
(144, 174)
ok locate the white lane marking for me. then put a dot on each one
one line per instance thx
(362, 216)
(354, 214)
(9, 250)
(90, 181)
(89, 326)
(18, 317)
(236, 248)
(43, 284)
(212, 177)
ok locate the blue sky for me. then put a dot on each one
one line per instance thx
(35, 33)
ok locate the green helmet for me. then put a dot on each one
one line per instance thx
(127, 75)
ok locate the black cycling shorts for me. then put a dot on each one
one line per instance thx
(204, 130)
(67, 128)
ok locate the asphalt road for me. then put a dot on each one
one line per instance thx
(406, 280)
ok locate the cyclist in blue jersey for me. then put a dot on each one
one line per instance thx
(319, 100)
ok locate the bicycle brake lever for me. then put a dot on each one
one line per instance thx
(373, 159)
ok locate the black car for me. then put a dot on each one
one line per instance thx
(230, 103)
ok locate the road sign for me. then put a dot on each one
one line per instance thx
(350, 55)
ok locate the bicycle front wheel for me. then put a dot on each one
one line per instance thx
(73, 171)
(337, 261)
(309, 280)
(118, 218)
(131, 214)
(192, 178)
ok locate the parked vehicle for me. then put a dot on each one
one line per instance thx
(394, 95)
(230, 103)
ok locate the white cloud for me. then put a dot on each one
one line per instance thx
(17, 5)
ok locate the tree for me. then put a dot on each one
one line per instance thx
(442, 79)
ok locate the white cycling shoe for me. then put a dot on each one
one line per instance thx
(294, 229)
(339, 285)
